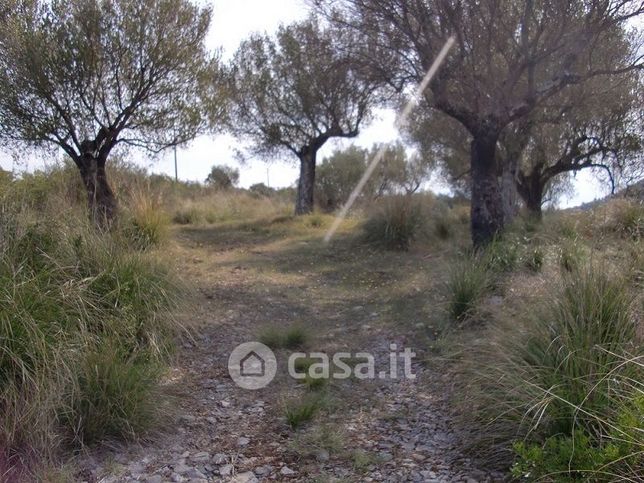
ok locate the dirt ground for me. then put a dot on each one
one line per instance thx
(247, 278)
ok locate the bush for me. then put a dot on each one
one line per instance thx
(85, 327)
(501, 255)
(563, 383)
(468, 282)
(534, 259)
(395, 223)
(284, 338)
(571, 255)
(116, 395)
(148, 223)
(628, 218)
(298, 412)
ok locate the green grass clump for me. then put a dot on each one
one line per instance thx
(394, 224)
(501, 255)
(572, 255)
(187, 216)
(284, 338)
(85, 327)
(534, 259)
(299, 412)
(116, 395)
(148, 223)
(468, 282)
(561, 387)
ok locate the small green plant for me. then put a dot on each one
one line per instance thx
(116, 396)
(284, 338)
(534, 259)
(394, 224)
(566, 379)
(299, 412)
(295, 337)
(468, 282)
(501, 255)
(571, 255)
(362, 460)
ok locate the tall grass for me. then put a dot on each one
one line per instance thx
(468, 282)
(394, 223)
(85, 327)
(562, 385)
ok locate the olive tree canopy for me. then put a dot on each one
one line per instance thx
(510, 58)
(294, 92)
(89, 75)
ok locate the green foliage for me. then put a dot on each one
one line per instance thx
(260, 190)
(222, 177)
(569, 368)
(338, 175)
(569, 458)
(469, 280)
(534, 259)
(395, 223)
(284, 338)
(501, 255)
(187, 216)
(116, 395)
(571, 255)
(85, 327)
(299, 412)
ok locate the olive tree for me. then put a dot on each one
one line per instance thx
(90, 75)
(294, 92)
(223, 177)
(510, 58)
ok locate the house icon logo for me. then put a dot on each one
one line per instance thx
(252, 365)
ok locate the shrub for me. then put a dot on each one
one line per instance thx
(628, 218)
(284, 338)
(534, 259)
(395, 223)
(297, 412)
(501, 255)
(571, 255)
(562, 383)
(85, 326)
(468, 282)
(116, 395)
(148, 223)
(187, 216)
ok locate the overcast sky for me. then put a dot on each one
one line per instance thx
(233, 20)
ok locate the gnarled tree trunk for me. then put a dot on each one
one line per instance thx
(487, 200)
(531, 189)
(509, 192)
(100, 197)
(306, 183)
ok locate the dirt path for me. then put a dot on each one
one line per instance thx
(250, 277)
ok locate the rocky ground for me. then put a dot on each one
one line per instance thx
(383, 430)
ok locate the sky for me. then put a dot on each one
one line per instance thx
(234, 20)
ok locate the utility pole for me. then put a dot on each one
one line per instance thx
(268, 181)
(176, 172)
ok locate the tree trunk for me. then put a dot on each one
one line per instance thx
(531, 188)
(509, 192)
(487, 201)
(100, 197)
(306, 183)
